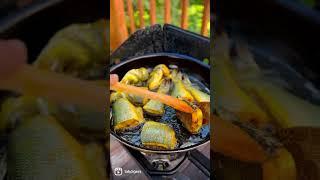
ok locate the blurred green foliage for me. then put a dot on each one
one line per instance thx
(195, 11)
(310, 3)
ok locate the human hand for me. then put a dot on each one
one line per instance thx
(13, 54)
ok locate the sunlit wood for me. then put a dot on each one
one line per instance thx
(205, 17)
(167, 11)
(118, 26)
(153, 16)
(184, 14)
(131, 16)
(118, 29)
(141, 13)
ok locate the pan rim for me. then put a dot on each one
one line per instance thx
(20, 14)
(152, 55)
(170, 55)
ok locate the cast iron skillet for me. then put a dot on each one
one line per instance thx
(189, 64)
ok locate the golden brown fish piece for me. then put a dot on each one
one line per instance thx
(117, 95)
(229, 96)
(126, 115)
(180, 91)
(135, 76)
(40, 148)
(287, 109)
(158, 136)
(202, 98)
(192, 122)
(154, 107)
(15, 109)
(137, 100)
(156, 76)
(78, 50)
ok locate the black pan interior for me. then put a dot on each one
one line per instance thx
(198, 72)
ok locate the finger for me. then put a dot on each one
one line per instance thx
(114, 78)
(13, 54)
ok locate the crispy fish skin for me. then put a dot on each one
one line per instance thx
(79, 122)
(205, 108)
(164, 68)
(192, 122)
(202, 98)
(135, 76)
(117, 95)
(158, 135)
(179, 91)
(77, 50)
(156, 76)
(229, 96)
(137, 100)
(126, 115)
(14, 109)
(155, 107)
(198, 95)
(41, 149)
(232, 98)
(287, 109)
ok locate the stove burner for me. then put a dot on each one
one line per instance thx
(156, 165)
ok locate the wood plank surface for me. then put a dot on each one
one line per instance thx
(167, 11)
(118, 29)
(153, 17)
(131, 16)
(184, 14)
(205, 17)
(141, 13)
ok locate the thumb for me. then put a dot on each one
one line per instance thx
(13, 54)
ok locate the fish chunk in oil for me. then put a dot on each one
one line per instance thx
(158, 135)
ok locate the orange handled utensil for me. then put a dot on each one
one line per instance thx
(56, 87)
(163, 98)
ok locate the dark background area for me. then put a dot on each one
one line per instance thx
(282, 30)
(37, 22)
(285, 29)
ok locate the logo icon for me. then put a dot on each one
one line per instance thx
(118, 171)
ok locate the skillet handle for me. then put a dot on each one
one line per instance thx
(201, 161)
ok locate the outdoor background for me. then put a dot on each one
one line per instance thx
(195, 11)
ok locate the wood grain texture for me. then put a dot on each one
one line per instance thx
(205, 17)
(118, 29)
(167, 11)
(141, 13)
(153, 16)
(131, 16)
(184, 14)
